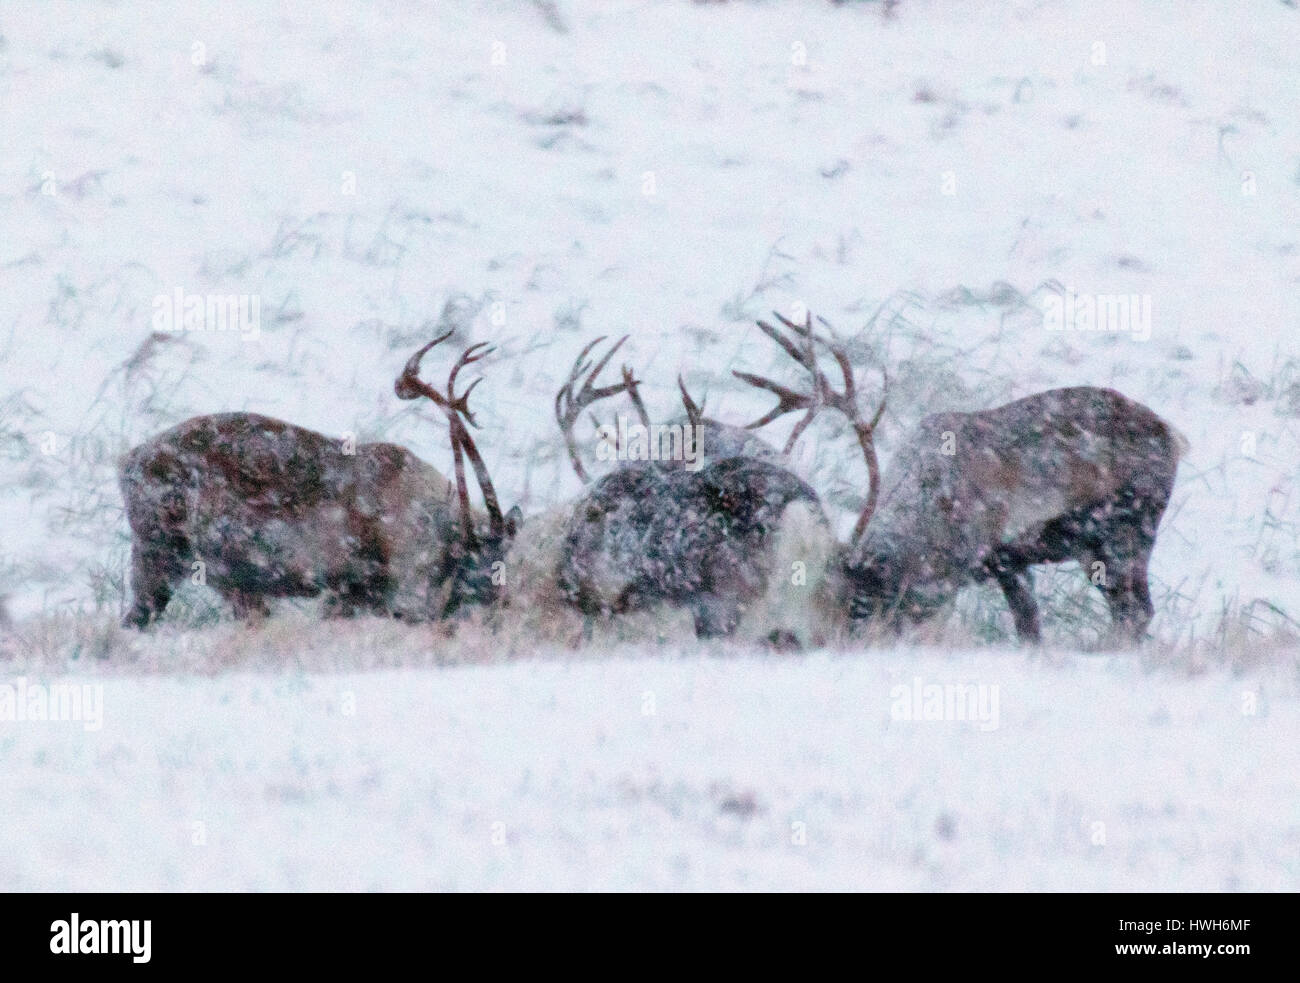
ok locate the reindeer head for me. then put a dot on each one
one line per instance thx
(880, 582)
(892, 587)
(477, 557)
(615, 557)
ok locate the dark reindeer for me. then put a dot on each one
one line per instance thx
(653, 532)
(1069, 474)
(258, 508)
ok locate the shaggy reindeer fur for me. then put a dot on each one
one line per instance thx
(1069, 474)
(258, 508)
(647, 535)
(700, 535)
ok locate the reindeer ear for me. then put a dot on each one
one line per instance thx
(514, 522)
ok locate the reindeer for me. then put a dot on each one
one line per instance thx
(258, 508)
(656, 532)
(1080, 473)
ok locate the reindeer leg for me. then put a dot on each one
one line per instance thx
(338, 603)
(716, 617)
(1018, 588)
(1122, 576)
(1129, 598)
(1142, 599)
(248, 606)
(348, 599)
(152, 573)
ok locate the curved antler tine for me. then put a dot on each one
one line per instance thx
(461, 403)
(565, 394)
(805, 356)
(469, 356)
(803, 330)
(787, 399)
(561, 398)
(868, 444)
(603, 392)
(580, 391)
(847, 401)
(409, 385)
(796, 401)
(790, 347)
(798, 430)
(579, 364)
(566, 429)
(884, 398)
(694, 411)
(600, 366)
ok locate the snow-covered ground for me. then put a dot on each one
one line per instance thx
(534, 175)
(647, 770)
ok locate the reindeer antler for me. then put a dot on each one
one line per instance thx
(694, 411)
(632, 384)
(409, 385)
(570, 404)
(822, 395)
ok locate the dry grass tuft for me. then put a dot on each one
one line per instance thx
(1254, 638)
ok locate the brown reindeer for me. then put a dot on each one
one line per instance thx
(1069, 474)
(258, 508)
